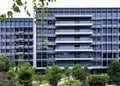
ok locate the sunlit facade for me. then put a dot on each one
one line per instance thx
(88, 36)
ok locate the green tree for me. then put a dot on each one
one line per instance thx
(47, 73)
(76, 70)
(54, 75)
(98, 79)
(114, 71)
(19, 5)
(25, 74)
(4, 63)
(83, 74)
(67, 72)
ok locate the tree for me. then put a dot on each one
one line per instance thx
(98, 79)
(4, 63)
(83, 74)
(67, 72)
(76, 71)
(25, 74)
(114, 71)
(18, 5)
(54, 75)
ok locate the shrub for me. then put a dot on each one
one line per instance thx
(98, 78)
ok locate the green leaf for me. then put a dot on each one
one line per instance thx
(16, 8)
(3, 16)
(10, 14)
(19, 2)
(28, 13)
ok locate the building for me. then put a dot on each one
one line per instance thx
(89, 36)
(16, 38)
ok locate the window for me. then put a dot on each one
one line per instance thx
(50, 22)
(77, 38)
(110, 38)
(105, 47)
(104, 30)
(109, 46)
(104, 22)
(109, 30)
(104, 38)
(77, 46)
(98, 38)
(98, 30)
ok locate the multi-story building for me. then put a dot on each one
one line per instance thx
(89, 36)
(16, 38)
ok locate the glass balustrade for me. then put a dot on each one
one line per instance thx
(73, 39)
(73, 56)
(73, 22)
(70, 47)
(73, 30)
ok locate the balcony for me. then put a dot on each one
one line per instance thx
(73, 32)
(57, 59)
(74, 49)
(73, 40)
(62, 16)
(73, 23)
(20, 32)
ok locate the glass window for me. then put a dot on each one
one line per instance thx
(104, 38)
(104, 30)
(110, 22)
(115, 22)
(104, 22)
(104, 47)
(115, 30)
(114, 14)
(115, 38)
(109, 14)
(98, 14)
(104, 14)
(98, 38)
(109, 38)
(109, 46)
(109, 30)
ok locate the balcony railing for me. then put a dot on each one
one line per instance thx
(67, 32)
(73, 49)
(72, 23)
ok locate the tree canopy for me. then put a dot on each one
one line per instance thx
(114, 71)
(18, 4)
(53, 75)
(76, 71)
(4, 63)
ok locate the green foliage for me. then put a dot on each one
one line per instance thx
(11, 72)
(4, 63)
(53, 75)
(16, 8)
(18, 4)
(76, 71)
(67, 71)
(114, 71)
(25, 74)
(71, 83)
(84, 73)
(98, 78)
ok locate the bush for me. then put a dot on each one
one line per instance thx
(71, 83)
(98, 78)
